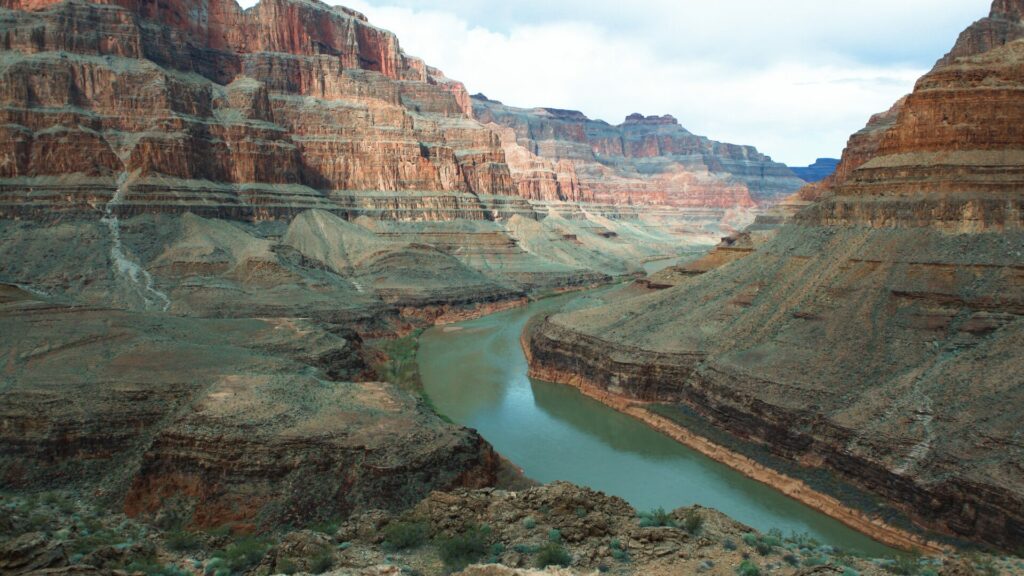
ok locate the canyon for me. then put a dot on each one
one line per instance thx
(876, 334)
(220, 227)
(206, 212)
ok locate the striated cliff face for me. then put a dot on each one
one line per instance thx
(181, 107)
(1004, 24)
(645, 160)
(878, 335)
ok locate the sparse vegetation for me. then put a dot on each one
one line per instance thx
(748, 568)
(693, 521)
(552, 554)
(657, 517)
(242, 554)
(181, 540)
(908, 565)
(321, 563)
(405, 535)
(529, 523)
(464, 549)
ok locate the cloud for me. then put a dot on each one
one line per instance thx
(793, 77)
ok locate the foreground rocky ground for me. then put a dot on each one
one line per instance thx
(544, 528)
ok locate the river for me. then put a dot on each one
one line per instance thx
(476, 374)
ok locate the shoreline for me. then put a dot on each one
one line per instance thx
(794, 488)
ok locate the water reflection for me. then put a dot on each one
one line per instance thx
(477, 377)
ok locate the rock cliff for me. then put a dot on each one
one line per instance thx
(648, 160)
(821, 169)
(204, 210)
(878, 334)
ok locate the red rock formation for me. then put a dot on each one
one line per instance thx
(207, 107)
(646, 160)
(1004, 24)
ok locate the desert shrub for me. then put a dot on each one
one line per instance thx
(850, 572)
(656, 517)
(763, 548)
(750, 539)
(617, 552)
(182, 540)
(328, 527)
(905, 565)
(243, 554)
(461, 550)
(286, 566)
(405, 535)
(525, 549)
(791, 559)
(552, 554)
(748, 568)
(581, 512)
(802, 540)
(529, 523)
(321, 563)
(693, 521)
(554, 535)
(818, 560)
(729, 544)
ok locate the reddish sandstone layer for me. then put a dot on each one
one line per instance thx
(257, 114)
(646, 160)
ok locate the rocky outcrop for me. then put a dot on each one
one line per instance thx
(239, 114)
(821, 169)
(1004, 24)
(877, 334)
(646, 160)
(242, 421)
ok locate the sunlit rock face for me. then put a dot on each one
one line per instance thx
(646, 160)
(206, 108)
(879, 334)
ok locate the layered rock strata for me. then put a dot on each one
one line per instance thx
(648, 160)
(247, 421)
(878, 335)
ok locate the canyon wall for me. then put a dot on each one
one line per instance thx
(878, 334)
(648, 160)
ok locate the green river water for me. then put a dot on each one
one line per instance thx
(476, 374)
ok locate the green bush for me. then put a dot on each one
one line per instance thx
(693, 521)
(328, 527)
(243, 554)
(553, 554)
(813, 561)
(182, 540)
(464, 549)
(657, 517)
(748, 568)
(529, 523)
(554, 535)
(905, 565)
(286, 566)
(321, 563)
(405, 535)
(728, 544)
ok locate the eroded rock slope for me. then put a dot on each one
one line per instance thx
(879, 334)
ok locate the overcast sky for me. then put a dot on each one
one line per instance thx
(793, 77)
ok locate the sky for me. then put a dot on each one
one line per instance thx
(793, 77)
